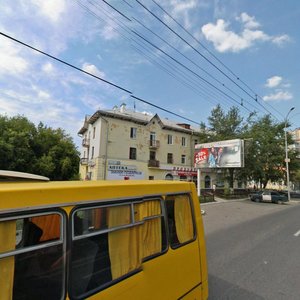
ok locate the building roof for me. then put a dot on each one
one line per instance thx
(139, 118)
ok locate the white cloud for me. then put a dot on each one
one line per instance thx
(48, 68)
(248, 21)
(279, 96)
(273, 81)
(281, 39)
(52, 9)
(93, 70)
(226, 40)
(11, 62)
(109, 33)
(181, 10)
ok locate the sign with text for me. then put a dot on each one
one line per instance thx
(222, 154)
(118, 171)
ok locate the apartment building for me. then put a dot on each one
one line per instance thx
(124, 144)
(296, 139)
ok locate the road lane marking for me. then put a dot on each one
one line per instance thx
(297, 233)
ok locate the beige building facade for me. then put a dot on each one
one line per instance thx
(123, 144)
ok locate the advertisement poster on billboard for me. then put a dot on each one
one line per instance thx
(222, 154)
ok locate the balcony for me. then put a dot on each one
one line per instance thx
(153, 144)
(86, 142)
(83, 161)
(153, 163)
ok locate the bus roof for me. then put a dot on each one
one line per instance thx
(13, 176)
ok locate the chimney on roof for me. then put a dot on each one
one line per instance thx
(184, 125)
(123, 107)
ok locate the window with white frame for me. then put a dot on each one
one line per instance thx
(183, 141)
(133, 132)
(170, 139)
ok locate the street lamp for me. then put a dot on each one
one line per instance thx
(286, 154)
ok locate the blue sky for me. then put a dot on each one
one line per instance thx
(254, 41)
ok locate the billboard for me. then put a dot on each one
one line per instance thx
(223, 154)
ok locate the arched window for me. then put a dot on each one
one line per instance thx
(169, 176)
(207, 182)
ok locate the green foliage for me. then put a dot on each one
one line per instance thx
(264, 145)
(40, 150)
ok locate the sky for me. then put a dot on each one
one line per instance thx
(185, 56)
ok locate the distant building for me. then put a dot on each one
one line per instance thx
(124, 144)
(296, 138)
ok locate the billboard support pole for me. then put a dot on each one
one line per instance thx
(198, 182)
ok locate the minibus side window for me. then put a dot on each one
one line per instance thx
(180, 220)
(118, 239)
(31, 257)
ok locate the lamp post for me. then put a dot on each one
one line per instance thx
(286, 154)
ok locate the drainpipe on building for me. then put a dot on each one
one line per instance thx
(106, 146)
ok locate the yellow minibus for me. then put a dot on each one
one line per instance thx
(113, 240)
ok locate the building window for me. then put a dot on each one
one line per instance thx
(207, 182)
(94, 132)
(169, 176)
(195, 142)
(183, 159)
(152, 139)
(93, 150)
(170, 139)
(133, 132)
(132, 153)
(151, 177)
(183, 141)
(170, 158)
(152, 155)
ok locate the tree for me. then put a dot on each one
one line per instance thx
(265, 153)
(264, 145)
(17, 137)
(40, 150)
(226, 126)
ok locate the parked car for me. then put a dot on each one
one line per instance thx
(269, 196)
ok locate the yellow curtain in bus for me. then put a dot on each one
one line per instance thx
(50, 225)
(150, 231)
(183, 219)
(7, 243)
(124, 245)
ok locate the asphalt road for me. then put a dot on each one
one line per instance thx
(253, 250)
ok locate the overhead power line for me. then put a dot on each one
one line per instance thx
(168, 111)
(241, 103)
(203, 56)
(185, 67)
(64, 62)
(97, 77)
(215, 57)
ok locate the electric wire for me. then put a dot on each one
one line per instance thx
(203, 93)
(215, 57)
(168, 111)
(123, 26)
(242, 100)
(65, 63)
(191, 61)
(116, 10)
(97, 77)
(185, 67)
(204, 57)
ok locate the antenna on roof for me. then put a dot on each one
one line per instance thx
(134, 106)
